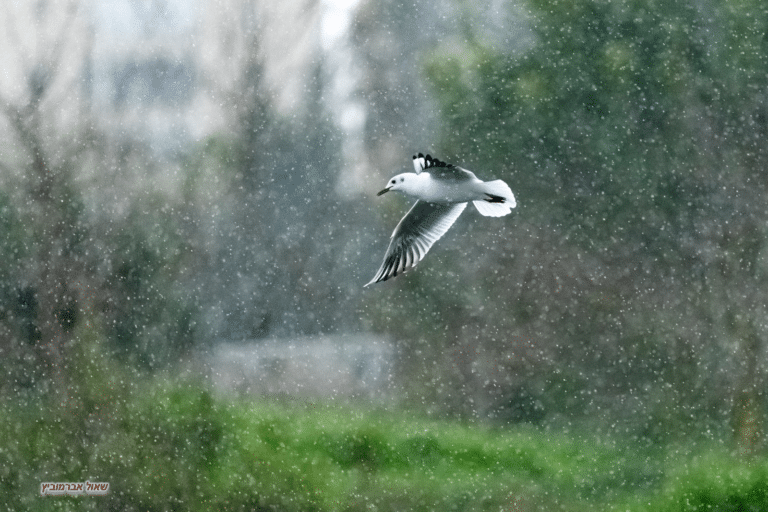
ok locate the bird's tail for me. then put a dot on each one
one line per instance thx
(499, 199)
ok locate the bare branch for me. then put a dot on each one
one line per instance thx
(13, 34)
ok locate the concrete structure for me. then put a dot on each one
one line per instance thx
(323, 366)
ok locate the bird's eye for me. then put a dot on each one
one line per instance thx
(393, 182)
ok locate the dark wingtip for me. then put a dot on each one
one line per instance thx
(495, 199)
(433, 162)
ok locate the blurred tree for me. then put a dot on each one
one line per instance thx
(83, 241)
(387, 38)
(275, 260)
(631, 132)
(48, 139)
(149, 308)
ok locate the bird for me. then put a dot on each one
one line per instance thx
(442, 192)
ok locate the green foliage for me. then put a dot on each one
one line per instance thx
(173, 445)
(13, 244)
(151, 317)
(629, 131)
(609, 119)
(712, 482)
(13, 248)
(18, 305)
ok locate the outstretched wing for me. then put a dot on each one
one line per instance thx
(440, 169)
(421, 227)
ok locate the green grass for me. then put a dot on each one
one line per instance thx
(176, 447)
(713, 481)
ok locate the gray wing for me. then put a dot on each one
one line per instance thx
(421, 227)
(452, 173)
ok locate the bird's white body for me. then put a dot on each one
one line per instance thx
(425, 187)
(442, 192)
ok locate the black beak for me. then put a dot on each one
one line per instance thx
(383, 191)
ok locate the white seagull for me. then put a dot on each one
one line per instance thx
(442, 191)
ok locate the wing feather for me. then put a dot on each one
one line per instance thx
(438, 168)
(423, 225)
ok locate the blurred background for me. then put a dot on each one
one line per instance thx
(188, 217)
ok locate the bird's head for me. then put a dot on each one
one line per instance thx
(402, 182)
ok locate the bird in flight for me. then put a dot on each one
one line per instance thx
(442, 191)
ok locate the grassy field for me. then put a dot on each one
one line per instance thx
(176, 447)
